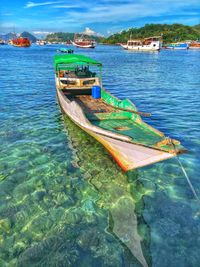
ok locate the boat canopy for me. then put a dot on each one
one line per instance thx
(73, 59)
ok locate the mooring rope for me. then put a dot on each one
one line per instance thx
(185, 173)
(188, 179)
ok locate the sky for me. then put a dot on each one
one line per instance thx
(101, 16)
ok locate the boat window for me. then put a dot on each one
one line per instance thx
(89, 82)
(68, 82)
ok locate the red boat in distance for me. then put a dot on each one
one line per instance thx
(83, 42)
(194, 45)
(21, 42)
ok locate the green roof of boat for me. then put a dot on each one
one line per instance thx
(74, 59)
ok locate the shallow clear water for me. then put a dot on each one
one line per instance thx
(63, 200)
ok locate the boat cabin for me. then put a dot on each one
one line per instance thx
(134, 43)
(77, 72)
(146, 41)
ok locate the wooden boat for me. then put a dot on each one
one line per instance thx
(83, 42)
(194, 45)
(115, 123)
(147, 44)
(21, 42)
(177, 46)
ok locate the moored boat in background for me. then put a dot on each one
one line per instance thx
(177, 46)
(41, 42)
(115, 123)
(83, 42)
(147, 44)
(194, 45)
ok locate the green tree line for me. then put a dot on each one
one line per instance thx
(170, 33)
(66, 36)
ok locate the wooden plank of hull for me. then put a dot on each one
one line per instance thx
(127, 155)
(130, 156)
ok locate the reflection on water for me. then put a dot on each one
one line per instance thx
(82, 214)
(113, 190)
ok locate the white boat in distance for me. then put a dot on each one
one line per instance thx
(41, 42)
(147, 44)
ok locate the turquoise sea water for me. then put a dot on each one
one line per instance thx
(63, 200)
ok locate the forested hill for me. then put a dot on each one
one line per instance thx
(170, 33)
(197, 27)
(66, 36)
(28, 35)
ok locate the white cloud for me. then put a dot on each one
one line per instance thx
(122, 11)
(113, 14)
(41, 32)
(32, 4)
(109, 32)
(65, 6)
(89, 31)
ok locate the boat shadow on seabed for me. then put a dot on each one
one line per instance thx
(115, 196)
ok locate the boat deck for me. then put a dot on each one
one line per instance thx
(106, 117)
(137, 131)
(91, 105)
